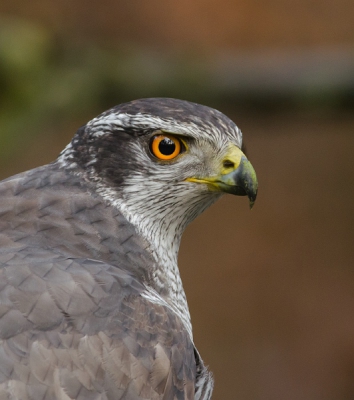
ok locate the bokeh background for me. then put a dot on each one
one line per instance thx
(271, 290)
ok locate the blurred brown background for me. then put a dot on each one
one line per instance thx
(271, 291)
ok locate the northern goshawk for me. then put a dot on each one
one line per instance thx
(91, 300)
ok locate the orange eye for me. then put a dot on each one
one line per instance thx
(165, 147)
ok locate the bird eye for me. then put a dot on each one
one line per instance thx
(165, 147)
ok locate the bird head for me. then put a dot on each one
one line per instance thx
(162, 162)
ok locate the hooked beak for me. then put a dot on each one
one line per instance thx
(237, 176)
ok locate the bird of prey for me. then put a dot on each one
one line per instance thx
(92, 305)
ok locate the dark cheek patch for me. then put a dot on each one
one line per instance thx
(110, 154)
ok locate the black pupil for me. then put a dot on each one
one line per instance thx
(167, 146)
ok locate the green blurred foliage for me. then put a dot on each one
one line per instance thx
(44, 82)
(38, 88)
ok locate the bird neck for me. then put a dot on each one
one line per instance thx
(161, 219)
(159, 211)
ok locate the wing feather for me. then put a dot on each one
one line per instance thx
(79, 338)
(74, 323)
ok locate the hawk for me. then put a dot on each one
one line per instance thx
(92, 305)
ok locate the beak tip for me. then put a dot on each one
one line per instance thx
(252, 200)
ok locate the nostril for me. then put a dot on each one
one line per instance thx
(228, 164)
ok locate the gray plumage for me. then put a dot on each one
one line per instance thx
(90, 308)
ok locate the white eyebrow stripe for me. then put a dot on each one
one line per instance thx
(113, 121)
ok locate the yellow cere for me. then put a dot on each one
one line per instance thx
(234, 155)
